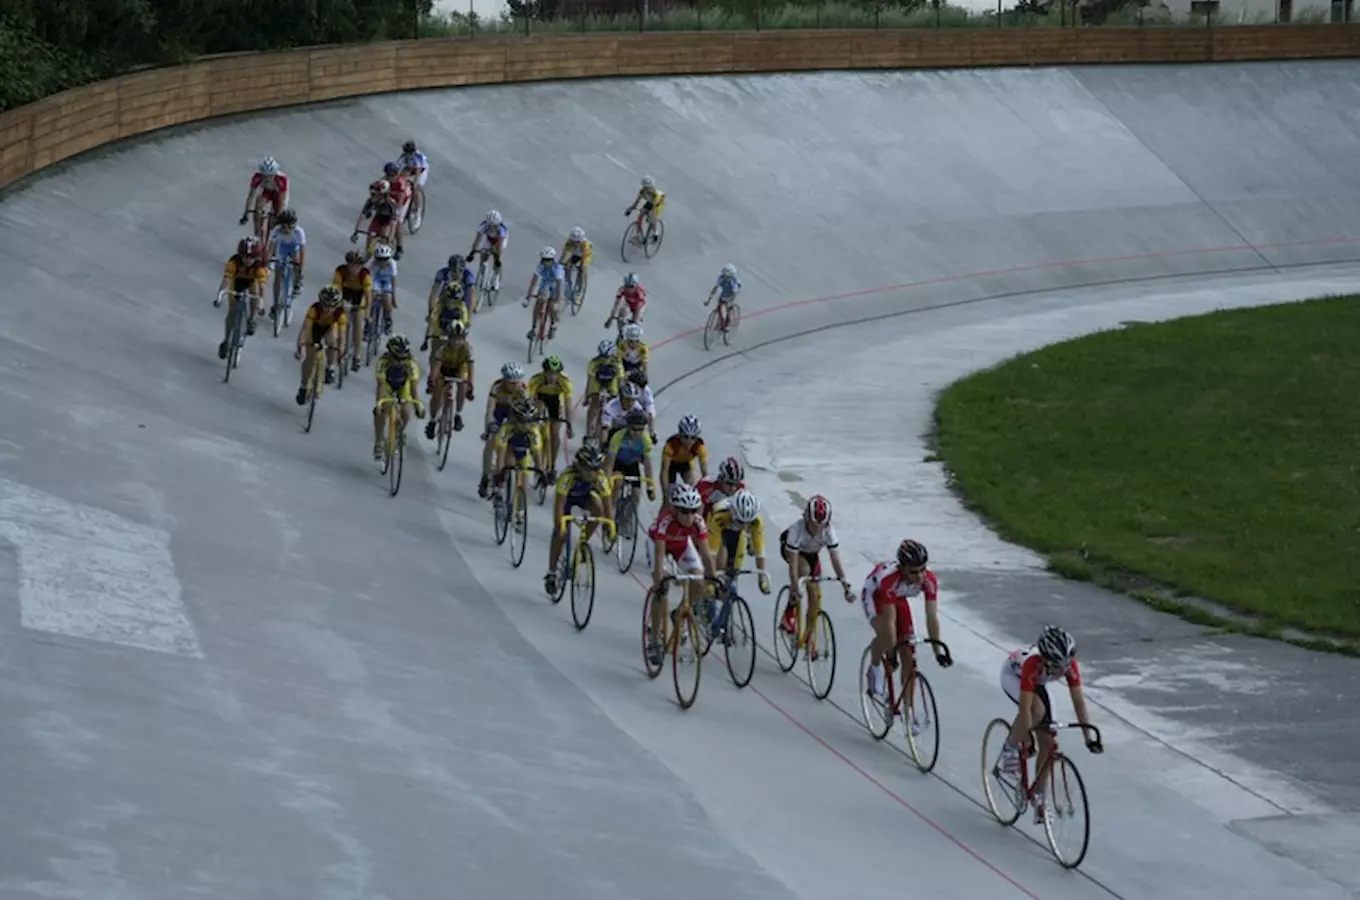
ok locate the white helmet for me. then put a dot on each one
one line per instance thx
(606, 348)
(269, 166)
(382, 251)
(648, 181)
(494, 217)
(578, 234)
(632, 332)
(745, 507)
(547, 253)
(1056, 646)
(512, 371)
(630, 391)
(689, 426)
(684, 497)
(729, 271)
(630, 280)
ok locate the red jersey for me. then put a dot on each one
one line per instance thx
(401, 190)
(886, 586)
(710, 494)
(1029, 667)
(667, 528)
(278, 188)
(635, 297)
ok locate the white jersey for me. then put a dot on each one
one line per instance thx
(288, 244)
(797, 537)
(614, 413)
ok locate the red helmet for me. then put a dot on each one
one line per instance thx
(817, 511)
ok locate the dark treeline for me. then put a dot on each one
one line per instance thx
(49, 45)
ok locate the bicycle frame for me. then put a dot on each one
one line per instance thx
(1055, 753)
(803, 592)
(889, 667)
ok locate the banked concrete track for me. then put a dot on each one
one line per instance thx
(233, 667)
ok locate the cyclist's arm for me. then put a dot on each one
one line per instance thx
(533, 283)
(587, 253)
(933, 619)
(250, 197)
(228, 273)
(667, 463)
(565, 405)
(647, 447)
(836, 565)
(364, 216)
(471, 371)
(559, 505)
(757, 537)
(476, 242)
(368, 286)
(306, 330)
(260, 284)
(706, 556)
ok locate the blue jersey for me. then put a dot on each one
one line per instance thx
(728, 287)
(286, 242)
(384, 273)
(444, 276)
(493, 232)
(549, 275)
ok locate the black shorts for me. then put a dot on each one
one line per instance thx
(678, 471)
(553, 403)
(1040, 691)
(813, 560)
(320, 332)
(632, 469)
(451, 373)
(354, 298)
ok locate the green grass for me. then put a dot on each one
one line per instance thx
(1214, 457)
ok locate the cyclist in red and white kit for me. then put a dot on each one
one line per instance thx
(801, 545)
(726, 482)
(1024, 678)
(678, 545)
(269, 185)
(633, 296)
(884, 598)
(400, 190)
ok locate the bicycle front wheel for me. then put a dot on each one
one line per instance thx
(1067, 817)
(564, 568)
(398, 460)
(1005, 793)
(445, 433)
(653, 670)
(632, 237)
(785, 642)
(711, 330)
(739, 643)
(655, 234)
(686, 660)
(583, 587)
(519, 525)
(314, 391)
(921, 723)
(876, 709)
(625, 541)
(501, 512)
(820, 655)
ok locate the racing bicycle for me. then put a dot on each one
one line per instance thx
(920, 718)
(644, 234)
(542, 323)
(577, 563)
(317, 383)
(394, 443)
(681, 641)
(722, 323)
(443, 431)
(287, 276)
(1008, 796)
(575, 285)
(734, 625)
(626, 515)
(236, 334)
(487, 289)
(816, 640)
(510, 511)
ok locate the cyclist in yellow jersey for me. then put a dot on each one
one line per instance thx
(604, 374)
(499, 396)
(578, 250)
(324, 325)
(552, 389)
(518, 439)
(681, 451)
(450, 307)
(581, 486)
(649, 199)
(454, 362)
(633, 349)
(398, 375)
(732, 522)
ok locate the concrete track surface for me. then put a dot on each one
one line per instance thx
(234, 667)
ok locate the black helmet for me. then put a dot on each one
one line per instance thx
(911, 554)
(408, 147)
(287, 217)
(637, 419)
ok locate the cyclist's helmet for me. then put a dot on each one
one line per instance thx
(552, 364)
(638, 377)
(637, 419)
(745, 507)
(524, 409)
(512, 371)
(452, 291)
(493, 217)
(911, 554)
(630, 280)
(408, 147)
(287, 217)
(630, 391)
(648, 181)
(353, 258)
(248, 246)
(632, 332)
(817, 512)
(391, 170)
(1056, 646)
(269, 166)
(689, 427)
(589, 457)
(685, 498)
(730, 470)
(330, 296)
(605, 348)
(382, 186)
(578, 235)
(547, 253)
(456, 329)
(382, 251)
(729, 271)
(399, 346)
(457, 262)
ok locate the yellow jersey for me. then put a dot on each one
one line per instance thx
(721, 528)
(318, 315)
(399, 377)
(539, 386)
(603, 374)
(353, 282)
(522, 438)
(579, 489)
(585, 249)
(445, 314)
(455, 356)
(633, 353)
(676, 452)
(653, 196)
(505, 391)
(245, 275)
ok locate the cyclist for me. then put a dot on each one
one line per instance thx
(651, 200)
(733, 524)
(325, 326)
(801, 545)
(1024, 678)
(380, 211)
(727, 481)
(581, 486)
(647, 400)
(630, 449)
(287, 247)
(245, 275)
(613, 416)
(449, 309)
(677, 543)
(632, 295)
(416, 166)
(552, 389)
(547, 283)
(602, 383)
(632, 349)
(726, 291)
(385, 282)
(681, 451)
(268, 185)
(355, 282)
(398, 374)
(577, 251)
(497, 235)
(499, 396)
(453, 360)
(518, 435)
(456, 272)
(884, 599)
(400, 191)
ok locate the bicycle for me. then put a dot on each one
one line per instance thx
(415, 212)
(444, 429)
(376, 323)
(817, 642)
(722, 325)
(577, 562)
(394, 445)
(543, 485)
(919, 716)
(1062, 777)
(285, 279)
(316, 384)
(625, 515)
(649, 238)
(236, 334)
(681, 641)
(575, 288)
(486, 281)
(541, 323)
(735, 611)
(511, 512)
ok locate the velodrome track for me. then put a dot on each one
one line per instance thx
(236, 668)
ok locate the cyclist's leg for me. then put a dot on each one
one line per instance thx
(308, 361)
(380, 420)
(812, 568)
(436, 400)
(233, 297)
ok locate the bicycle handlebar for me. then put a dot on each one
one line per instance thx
(634, 479)
(940, 647)
(1055, 727)
(585, 520)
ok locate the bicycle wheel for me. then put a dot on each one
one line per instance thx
(921, 723)
(627, 534)
(733, 320)
(399, 458)
(578, 296)
(652, 670)
(233, 343)
(583, 587)
(519, 525)
(703, 614)
(1005, 793)
(341, 364)
(632, 237)
(655, 235)
(415, 215)
(445, 432)
(563, 568)
(1065, 799)
(739, 643)
(501, 511)
(277, 311)
(821, 656)
(874, 707)
(686, 661)
(785, 643)
(315, 391)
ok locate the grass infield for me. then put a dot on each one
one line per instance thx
(1216, 457)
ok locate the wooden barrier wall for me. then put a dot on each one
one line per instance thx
(59, 127)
